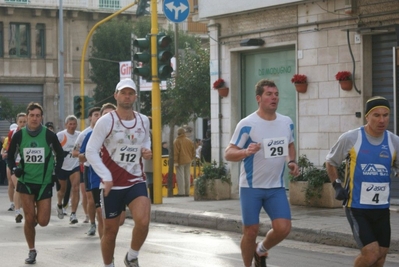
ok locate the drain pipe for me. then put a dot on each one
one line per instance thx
(219, 69)
(353, 61)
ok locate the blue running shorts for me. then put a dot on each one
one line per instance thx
(273, 200)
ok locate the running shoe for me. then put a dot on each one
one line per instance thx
(73, 219)
(64, 210)
(132, 263)
(12, 207)
(18, 218)
(31, 259)
(86, 220)
(60, 213)
(260, 260)
(92, 230)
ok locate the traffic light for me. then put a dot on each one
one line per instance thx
(142, 8)
(164, 56)
(89, 103)
(77, 106)
(143, 58)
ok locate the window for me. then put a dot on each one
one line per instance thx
(114, 4)
(1, 40)
(16, 1)
(40, 41)
(19, 42)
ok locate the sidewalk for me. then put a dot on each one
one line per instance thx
(315, 225)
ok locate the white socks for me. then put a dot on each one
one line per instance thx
(260, 249)
(132, 254)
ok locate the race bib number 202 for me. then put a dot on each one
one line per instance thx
(34, 155)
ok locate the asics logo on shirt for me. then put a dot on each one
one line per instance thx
(129, 149)
(275, 142)
(374, 169)
(33, 151)
(376, 188)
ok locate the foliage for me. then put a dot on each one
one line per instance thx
(219, 83)
(211, 172)
(299, 78)
(8, 110)
(111, 44)
(188, 95)
(316, 177)
(343, 76)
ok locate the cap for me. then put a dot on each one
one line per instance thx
(13, 126)
(125, 83)
(49, 124)
(376, 102)
(180, 131)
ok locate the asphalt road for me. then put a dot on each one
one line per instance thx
(61, 244)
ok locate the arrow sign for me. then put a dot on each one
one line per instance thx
(176, 10)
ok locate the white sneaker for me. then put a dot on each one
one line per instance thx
(73, 219)
(60, 213)
(12, 207)
(92, 230)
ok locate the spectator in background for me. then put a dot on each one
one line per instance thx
(184, 153)
(206, 147)
(198, 148)
(165, 150)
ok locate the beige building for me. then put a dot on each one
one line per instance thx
(29, 49)
(253, 39)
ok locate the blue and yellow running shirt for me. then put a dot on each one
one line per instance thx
(371, 162)
(264, 169)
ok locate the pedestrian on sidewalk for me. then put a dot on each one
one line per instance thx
(371, 152)
(183, 155)
(36, 146)
(123, 138)
(264, 143)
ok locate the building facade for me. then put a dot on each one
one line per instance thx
(314, 38)
(29, 49)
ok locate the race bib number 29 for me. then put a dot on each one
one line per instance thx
(275, 147)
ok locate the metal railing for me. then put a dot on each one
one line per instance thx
(73, 4)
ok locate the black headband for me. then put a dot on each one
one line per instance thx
(376, 102)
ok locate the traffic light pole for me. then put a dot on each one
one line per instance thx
(156, 108)
(82, 60)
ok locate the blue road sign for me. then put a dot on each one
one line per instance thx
(176, 10)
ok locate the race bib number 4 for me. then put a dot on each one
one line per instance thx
(127, 154)
(374, 193)
(34, 155)
(275, 147)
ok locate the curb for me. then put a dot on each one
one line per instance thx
(233, 223)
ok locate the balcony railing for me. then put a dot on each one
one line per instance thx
(75, 4)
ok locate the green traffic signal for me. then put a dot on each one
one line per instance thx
(143, 58)
(89, 103)
(77, 106)
(142, 8)
(164, 56)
